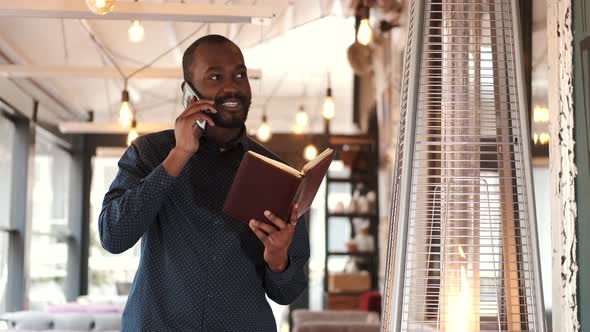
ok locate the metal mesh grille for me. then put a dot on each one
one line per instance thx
(397, 172)
(467, 244)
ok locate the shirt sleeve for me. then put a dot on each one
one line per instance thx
(285, 287)
(133, 201)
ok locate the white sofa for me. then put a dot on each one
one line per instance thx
(71, 321)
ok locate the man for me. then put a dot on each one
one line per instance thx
(201, 270)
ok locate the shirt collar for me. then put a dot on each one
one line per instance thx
(242, 140)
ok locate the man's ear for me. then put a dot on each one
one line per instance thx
(182, 86)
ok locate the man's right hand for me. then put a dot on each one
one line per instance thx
(188, 134)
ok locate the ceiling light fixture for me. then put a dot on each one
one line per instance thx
(264, 133)
(329, 108)
(125, 114)
(132, 133)
(364, 34)
(101, 7)
(310, 152)
(301, 117)
(136, 32)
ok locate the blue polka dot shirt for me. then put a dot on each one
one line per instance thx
(200, 270)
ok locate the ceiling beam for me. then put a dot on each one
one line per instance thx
(98, 72)
(145, 11)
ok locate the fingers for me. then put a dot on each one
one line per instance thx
(198, 116)
(294, 213)
(268, 229)
(198, 106)
(275, 220)
(259, 233)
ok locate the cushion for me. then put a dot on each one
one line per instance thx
(28, 320)
(73, 321)
(107, 321)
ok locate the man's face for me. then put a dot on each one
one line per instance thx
(219, 74)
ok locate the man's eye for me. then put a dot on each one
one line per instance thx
(215, 77)
(241, 75)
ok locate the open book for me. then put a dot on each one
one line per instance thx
(262, 183)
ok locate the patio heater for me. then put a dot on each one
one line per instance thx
(463, 252)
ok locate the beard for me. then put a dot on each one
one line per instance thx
(231, 119)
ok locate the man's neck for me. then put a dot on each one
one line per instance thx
(223, 136)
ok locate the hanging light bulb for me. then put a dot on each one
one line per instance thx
(101, 7)
(301, 117)
(132, 133)
(310, 152)
(364, 34)
(297, 129)
(125, 114)
(136, 31)
(329, 108)
(264, 132)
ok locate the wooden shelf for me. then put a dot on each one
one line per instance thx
(353, 215)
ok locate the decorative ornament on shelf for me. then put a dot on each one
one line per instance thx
(310, 152)
(136, 32)
(101, 7)
(132, 133)
(125, 113)
(264, 133)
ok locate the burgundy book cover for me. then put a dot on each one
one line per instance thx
(260, 186)
(311, 183)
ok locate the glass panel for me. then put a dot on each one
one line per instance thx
(110, 275)
(49, 256)
(3, 269)
(7, 130)
(50, 229)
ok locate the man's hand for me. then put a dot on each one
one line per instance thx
(188, 134)
(276, 241)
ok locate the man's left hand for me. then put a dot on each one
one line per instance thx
(276, 239)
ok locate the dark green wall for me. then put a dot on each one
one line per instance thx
(581, 25)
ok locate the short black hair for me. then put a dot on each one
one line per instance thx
(188, 56)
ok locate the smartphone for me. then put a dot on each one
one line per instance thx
(189, 93)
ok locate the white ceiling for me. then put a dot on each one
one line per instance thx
(306, 41)
(296, 51)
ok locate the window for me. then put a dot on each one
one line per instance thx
(110, 275)
(6, 146)
(50, 229)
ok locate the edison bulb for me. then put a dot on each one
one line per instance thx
(301, 118)
(329, 108)
(132, 136)
(136, 32)
(101, 7)
(263, 132)
(297, 129)
(310, 152)
(364, 34)
(125, 114)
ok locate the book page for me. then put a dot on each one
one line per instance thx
(278, 164)
(316, 160)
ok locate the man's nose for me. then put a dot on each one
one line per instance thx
(230, 86)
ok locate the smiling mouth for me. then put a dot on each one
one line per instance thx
(232, 105)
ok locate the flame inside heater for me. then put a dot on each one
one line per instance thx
(459, 310)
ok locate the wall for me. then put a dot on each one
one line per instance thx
(581, 24)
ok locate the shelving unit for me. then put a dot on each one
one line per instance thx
(363, 170)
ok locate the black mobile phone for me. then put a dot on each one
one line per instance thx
(188, 94)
